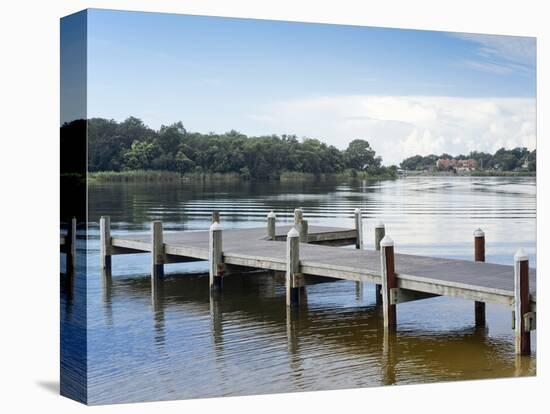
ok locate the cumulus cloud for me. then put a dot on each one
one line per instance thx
(401, 126)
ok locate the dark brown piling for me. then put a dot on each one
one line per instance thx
(521, 302)
(479, 256)
(389, 282)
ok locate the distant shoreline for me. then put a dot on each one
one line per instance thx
(470, 174)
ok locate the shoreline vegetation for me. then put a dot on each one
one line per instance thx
(153, 176)
(131, 152)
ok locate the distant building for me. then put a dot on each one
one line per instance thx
(459, 165)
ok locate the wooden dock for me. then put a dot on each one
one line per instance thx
(307, 254)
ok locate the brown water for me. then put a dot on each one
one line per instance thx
(182, 343)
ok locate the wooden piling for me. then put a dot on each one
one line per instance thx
(379, 233)
(215, 217)
(215, 256)
(389, 281)
(521, 302)
(71, 249)
(358, 228)
(479, 256)
(304, 231)
(271, 219)
(157, 250)
(292, 267)
(105, 248)
(298, 216)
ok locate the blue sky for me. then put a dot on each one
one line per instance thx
(406, 91)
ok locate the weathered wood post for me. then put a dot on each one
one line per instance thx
(271, 218)
(215, 256)
(292, 267)
(358, 228)
(304, 231)
(298, 216)
(215, 217)
(379, 233)
(479, 256)
(105, 249)
(389, 282)
(157, 250)
(71, 249)
(521, 302)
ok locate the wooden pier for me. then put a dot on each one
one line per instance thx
(307, 254)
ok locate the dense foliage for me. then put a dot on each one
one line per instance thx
(131, 146)
(502, 160)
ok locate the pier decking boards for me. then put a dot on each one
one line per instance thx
(415, 277)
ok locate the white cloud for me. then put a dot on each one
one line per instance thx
(401, 126)
(501, 54)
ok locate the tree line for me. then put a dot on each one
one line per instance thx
(519, 158)
(131, 145)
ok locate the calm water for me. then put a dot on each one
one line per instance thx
(183, 344)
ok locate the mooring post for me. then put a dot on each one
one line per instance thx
(358, 228)
(71, 251)
(215, 217)
(389, 282)
(292, 267)
(157, 250)
(298, 216)
(521, 302)
(379, 233)
(105, 249)
(271, 218)
(215, 256)
(479, 256)
(304, 231)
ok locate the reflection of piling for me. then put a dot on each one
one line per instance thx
(389, 357)
(479, 256)
(105, 248)
(379, 233)
(158, 302)
(216, 316)
(521, 303)
(215, 256)
(389, 282)
(71, 248)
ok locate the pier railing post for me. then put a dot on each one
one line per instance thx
(71, 251)
(215, 256)
(292, 267)
(479, 256)
(215, 217)
(304, 231)
(105, 249)
(521, 302)
(358, 228)
(271, 219)
(389, 281)
(379, 233)
(157, 250)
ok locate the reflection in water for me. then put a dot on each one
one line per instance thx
(175, 340)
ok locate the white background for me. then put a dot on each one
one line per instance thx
(29, 159)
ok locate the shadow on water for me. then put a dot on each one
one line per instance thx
(350, 333)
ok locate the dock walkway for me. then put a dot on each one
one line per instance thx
(399, 277)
